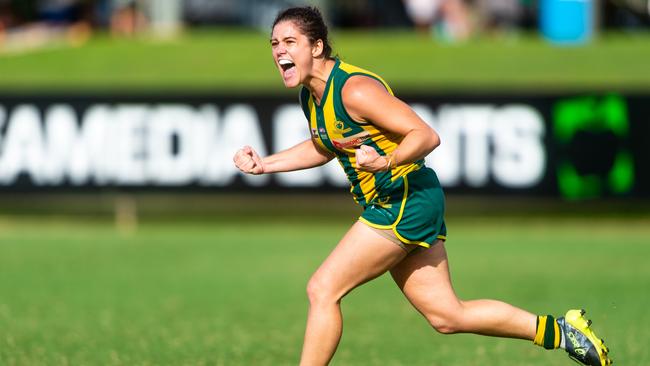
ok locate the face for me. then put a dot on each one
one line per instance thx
(292, 52)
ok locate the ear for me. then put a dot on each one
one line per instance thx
(317, 48)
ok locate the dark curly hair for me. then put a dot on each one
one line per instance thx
(310, 22)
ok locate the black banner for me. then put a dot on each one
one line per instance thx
(573, 146)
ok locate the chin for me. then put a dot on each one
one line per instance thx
(291, 84)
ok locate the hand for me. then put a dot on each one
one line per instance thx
(369, 160)
(247, 160)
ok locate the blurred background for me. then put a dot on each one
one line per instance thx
(536, 100)
(128, 237)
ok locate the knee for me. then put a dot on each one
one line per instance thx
(320, 291)
(444, 323)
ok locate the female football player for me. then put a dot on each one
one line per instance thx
(381, 143)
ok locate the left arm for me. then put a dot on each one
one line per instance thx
(367, 100)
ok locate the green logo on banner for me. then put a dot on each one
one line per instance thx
(593, 157)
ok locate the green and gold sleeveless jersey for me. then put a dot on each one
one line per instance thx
(334, 130)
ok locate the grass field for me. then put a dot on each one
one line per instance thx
(74, 290)
(236, 61)
(224, 292)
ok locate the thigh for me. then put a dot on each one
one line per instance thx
(425, 281)
(360, 256)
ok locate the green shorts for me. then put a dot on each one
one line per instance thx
(413, 207)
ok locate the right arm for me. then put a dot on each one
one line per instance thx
(302, 156)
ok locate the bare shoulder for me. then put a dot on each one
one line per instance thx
(362, 86)
(360, 93)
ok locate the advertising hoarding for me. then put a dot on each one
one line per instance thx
(573, 146)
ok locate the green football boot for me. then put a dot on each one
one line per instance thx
(582, 345)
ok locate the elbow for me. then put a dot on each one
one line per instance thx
(434, 141)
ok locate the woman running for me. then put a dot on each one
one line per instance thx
(381, 144)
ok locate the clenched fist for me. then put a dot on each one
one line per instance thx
(369, 160)
(247, 160)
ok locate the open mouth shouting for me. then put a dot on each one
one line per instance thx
(288, 68)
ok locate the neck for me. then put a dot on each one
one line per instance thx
(318, 80)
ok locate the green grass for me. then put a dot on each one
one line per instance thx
(237, 61)
(224, 292)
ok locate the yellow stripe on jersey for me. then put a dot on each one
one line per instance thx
(403, 170)
(313, 123)
(351, 69)
(367, 184)
(329, 114)
(366, 180)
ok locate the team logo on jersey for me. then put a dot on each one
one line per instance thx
(383, 202)
(352, 141)
(314, 133)
(323, 133)
(340, 127)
